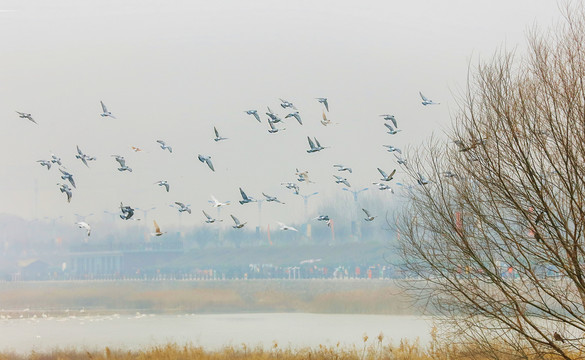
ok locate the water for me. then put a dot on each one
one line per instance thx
(210, 331)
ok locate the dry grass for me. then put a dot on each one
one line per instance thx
(372, 349)
(344, 297)
(404, 351)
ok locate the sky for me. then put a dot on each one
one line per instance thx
(173, 70)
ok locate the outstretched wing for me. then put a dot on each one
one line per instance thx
(244, 196)
(423, 97)
(208, 161)
(156, 228)
(367, 213)
(104, 108)
(216, 133)
(206, 215)
(311, 144)
(235, 219)
(382, 172)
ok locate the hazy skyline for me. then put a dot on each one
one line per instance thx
(173, 71)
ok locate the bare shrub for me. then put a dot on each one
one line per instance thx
(496, 237)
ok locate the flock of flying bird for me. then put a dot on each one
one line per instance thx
(127, 212)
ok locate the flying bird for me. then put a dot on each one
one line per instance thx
(294, 187)
(426, 101)
(26, 116)
(287, 104)
(324, 218)
(105, 111)
(391, 131)
(368, 217)
(392, 149)
(183, 207)
(324, 102)
(84, 225)
(296, 115)
(341, 180)
(392, 118)
(67, 176)
(157, 231)
(303, 176)
(342, 168)
(217, 137)
(67, 190)
(122, 162)
(83, 157)
(386, 177)
(255, 113)
(209, 220)
(135, 149)
(55, 159)
(273, 116)
(313, 147)
(273, 129)
(164, 146)
(246, 198)
(272, 198)
(127, 212)
(382, 186)
(422, 180)
(207, 160)
(400, 160)
(237, 225)
(46, 163)
(217, 203)
(286, 227)
(325, 121)
(163, 183)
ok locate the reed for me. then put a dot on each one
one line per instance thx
(372, 349)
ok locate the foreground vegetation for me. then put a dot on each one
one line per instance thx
(371, 350)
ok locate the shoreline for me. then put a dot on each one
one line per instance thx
(208, 331)
(31, 299)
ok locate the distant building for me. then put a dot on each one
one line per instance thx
(88, 262)
(32, 269)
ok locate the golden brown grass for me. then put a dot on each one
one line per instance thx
(173, 351)
(372, 349)
(315, 296)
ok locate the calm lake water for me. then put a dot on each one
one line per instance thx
(210, 331)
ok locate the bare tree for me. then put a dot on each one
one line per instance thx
(495, 228)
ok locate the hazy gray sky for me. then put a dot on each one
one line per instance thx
(172, 70)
